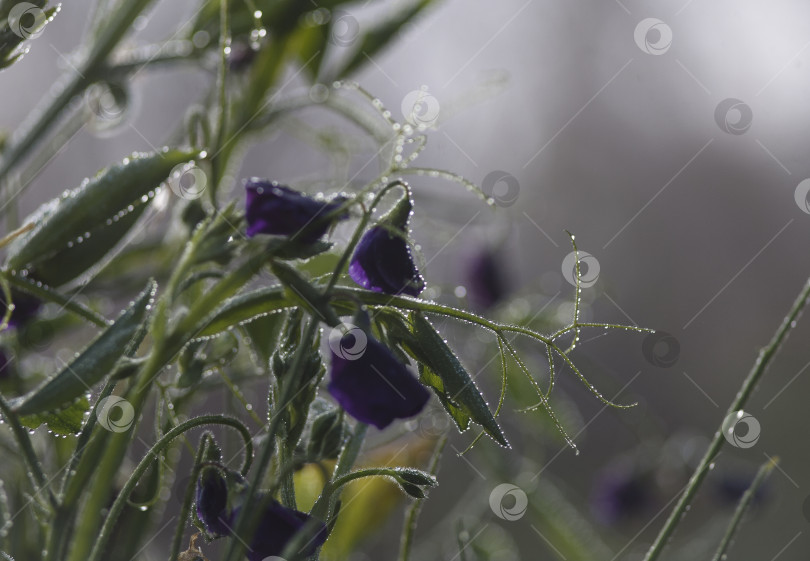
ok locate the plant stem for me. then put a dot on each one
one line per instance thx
(763, 360)
(222, 94)
(73, 84)
(764, 471)
(249, 515)
(189, 497)
(146, 461)
(412, 515)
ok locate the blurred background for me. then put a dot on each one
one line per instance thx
(674, 148)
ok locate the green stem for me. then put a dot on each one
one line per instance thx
(412, 515)
(325, 505)
(222, 114)
(745, 502)
(358, 233)
(360, 474)
(189, 497)
(747, 388)
(146, 461)
(286, 481)
(81, 77)
(249, 515)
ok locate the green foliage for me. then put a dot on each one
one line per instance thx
(93, 364)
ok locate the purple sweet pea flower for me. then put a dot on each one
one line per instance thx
(485, 280)
(212, 502)
(281, 211)
(383, 262)
(277, 525)
(25, 308)
(373, 386)
(621, 494)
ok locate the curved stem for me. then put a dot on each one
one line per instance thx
(189, 497)
(749, 495)
(358, 232)
(140, 469)
(747, 388)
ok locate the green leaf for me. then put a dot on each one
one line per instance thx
(20, 21)
(246, 307)
(378, 38)
(75, 231)
(263, 333)
(399, 333)
(66, 421)
(96, 362)
(305, 293)
(457, 385)
(428, 377)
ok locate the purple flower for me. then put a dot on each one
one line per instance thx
(485, 280)
(277, 524)
(212, 502)
(373, 386)
(621, 494)
(25, 308)
(281, 211)
(383, 262)
(729, 487)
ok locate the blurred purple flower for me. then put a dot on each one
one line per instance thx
(277, 524)
(25, 308)
(620, 494)
(383, 262)
(730, 487)
(375, 387)
(486, 283)
(281, 211)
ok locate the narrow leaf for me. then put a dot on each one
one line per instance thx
(65, 228)
(457, 383)
(96, 362)
(64, 422)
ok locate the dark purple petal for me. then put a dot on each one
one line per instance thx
(278, 210)
(621, 494)
(730, 487)
(375, 388)
(383, 262)
(486, 282)
(212, 502)
(277, 526)
(25, 308)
